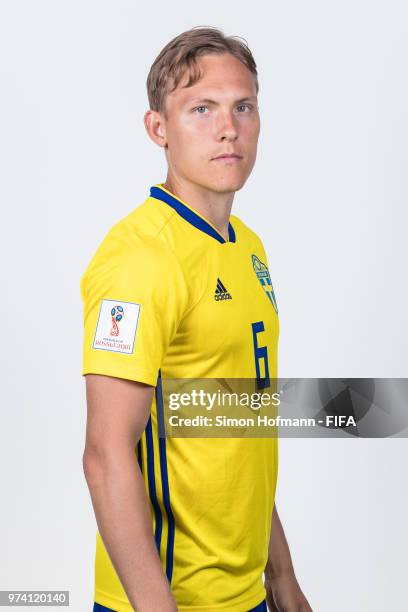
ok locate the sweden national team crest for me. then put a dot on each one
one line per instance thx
(262, 272)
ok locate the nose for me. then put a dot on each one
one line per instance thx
(227, 129)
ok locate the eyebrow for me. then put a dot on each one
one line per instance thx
(209, 101)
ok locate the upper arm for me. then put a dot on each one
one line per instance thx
(117, 413)
(134, 296)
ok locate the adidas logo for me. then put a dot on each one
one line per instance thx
(221, 293)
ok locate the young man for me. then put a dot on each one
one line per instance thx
(180, 288)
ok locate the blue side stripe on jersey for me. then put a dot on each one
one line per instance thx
(190, 216)
(165, 479)
(139, 454)
(152, 484)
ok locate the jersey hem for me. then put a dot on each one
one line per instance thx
(119, 605)
(121, 372)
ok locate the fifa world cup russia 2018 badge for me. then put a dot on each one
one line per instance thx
(262, 272)
(115, 331)
(117, 313)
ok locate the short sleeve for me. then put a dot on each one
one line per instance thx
(134, 297)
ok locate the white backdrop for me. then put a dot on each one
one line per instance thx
(328, 196)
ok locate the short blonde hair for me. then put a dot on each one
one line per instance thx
(180, 54)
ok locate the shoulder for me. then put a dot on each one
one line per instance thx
(138, 233)
(133, 247)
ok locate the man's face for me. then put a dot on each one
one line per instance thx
(215, 116)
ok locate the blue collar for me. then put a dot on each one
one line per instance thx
(190, 215)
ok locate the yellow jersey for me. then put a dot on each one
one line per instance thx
(166, 296)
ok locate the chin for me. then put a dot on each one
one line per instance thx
(227, 184)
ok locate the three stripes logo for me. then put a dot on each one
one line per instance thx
(221, 293)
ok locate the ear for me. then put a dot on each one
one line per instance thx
(155, 127)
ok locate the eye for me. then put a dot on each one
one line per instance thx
(199, 108)
(244, 105)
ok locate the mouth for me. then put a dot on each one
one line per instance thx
(228, 157)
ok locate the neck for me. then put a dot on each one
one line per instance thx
(213, 206)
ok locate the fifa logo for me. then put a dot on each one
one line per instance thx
(117, 313)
